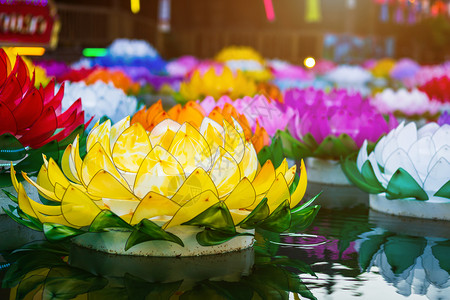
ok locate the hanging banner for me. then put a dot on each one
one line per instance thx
(312, 11)
(28, 23)
(164, 15)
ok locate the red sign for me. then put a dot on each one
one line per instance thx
(28, 23)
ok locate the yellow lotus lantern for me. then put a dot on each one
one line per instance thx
(199, 85)
(176, 189)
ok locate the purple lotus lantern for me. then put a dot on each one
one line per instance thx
(330, 126)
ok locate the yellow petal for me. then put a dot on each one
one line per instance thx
(105, 185)
(225, 172)
(249, 163)
(191, 149)
(214, 133)
(160, 172)
(193, 208)
(278, 193)
(233, 142)
(131, 148)
(24, 201)
(14, 180)
(65, 166)
(60, 191)
(301, 187)
(122, 208)
(238, 215)
(163, 133)
(55, 175)
(290, 175)
(282, 168)
(48, 194)
(117, 129)
(100, 134)
(238, 128)
(43, 181)
(75, 161)
(153, 205)
(97, 159)
(78, 208)
(264, 179)
(197, 183)
(242, 196)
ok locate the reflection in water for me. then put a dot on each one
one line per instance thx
(42, 270)
(357, 254)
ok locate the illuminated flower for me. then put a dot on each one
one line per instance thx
(31, 119)
(407, 163)
(444, 118)
(75, 75)
(132, 53)
(406, 103)
(331, 125)
(182, 65)
(216, 85)
(352, 78)
(100, 99)
(193, 113)
(245, 59)
(284, 70)
(404, 69)
(426, 74)
(171, 177)
(54, 68)
(258, 110)
(119, 79)
(383, 67)
(438, 89)
(40, 77)
(271, 91)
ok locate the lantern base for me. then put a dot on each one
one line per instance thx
(114, 242)
(326, 171)
(227, 267)
(435, 208)
(5, 201)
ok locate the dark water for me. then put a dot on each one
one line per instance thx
(355, 253)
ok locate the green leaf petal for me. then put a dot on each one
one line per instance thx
(306, 204)
(310, 141)
(58, 232)
(209, 237)
(292, 147)
(217, 217)
(24, 222)
(348, 166)
(106, 219)
(402, 185)
(402, 251)
(279, 220)
(300, 220)
(10, 196)
(11, 148)
(369, 176)
(349, 143)
(146, 230)
(444, 191)
(260, 212)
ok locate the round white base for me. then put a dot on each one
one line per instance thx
(325, 171)
(114, 242)
(227, 267)
(5, 201)
(431, 209)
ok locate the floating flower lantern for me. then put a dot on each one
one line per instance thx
(404, 69)
(100, 99)
(182, 65)
(383, 68)
(328, 127)
(351, 78)
(118, 78)
(216, 84)
(76, 75)
(245, 59)
(437, 89)
(426, 74)
(408, 173)
(444, 118)
(193, 113)
(407, 104)
(258, 110)
(132, 53)
(32, 122)
(169, 192)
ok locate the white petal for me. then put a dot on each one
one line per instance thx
(442, 152)
(421, 153)
(407, 136)
(362, 156)
(379, 150)
(427, 130)
(438, 176)
(442, 136)
(160, 130)
(207, 121)
(376, 169)
(400, 159)
(389, 147)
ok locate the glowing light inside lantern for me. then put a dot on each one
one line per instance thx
(135, 6)
(94, 52)
(270, 14)
(30, 51)
(309, 62)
